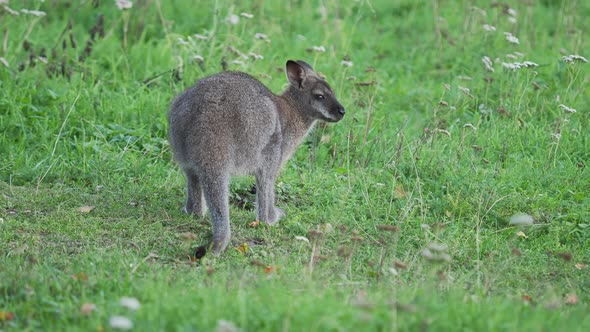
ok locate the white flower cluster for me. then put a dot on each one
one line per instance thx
(567, 109)
(518, 65)
(511, 38)
(124, 4)
(487, 62)
(489, 28)
(573, 58)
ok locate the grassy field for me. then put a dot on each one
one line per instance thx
(464, 123)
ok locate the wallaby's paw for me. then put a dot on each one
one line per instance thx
(279, 213)
(220, 244)
(217, 249)
(194, 211)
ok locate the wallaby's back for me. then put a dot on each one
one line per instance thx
(224, 120)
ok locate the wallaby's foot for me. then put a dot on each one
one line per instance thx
(220, 242)
(191, 211)
(276, 216)
(198, 211)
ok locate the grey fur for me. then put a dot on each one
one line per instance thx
(231, 124)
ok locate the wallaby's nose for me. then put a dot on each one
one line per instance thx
(341, 110)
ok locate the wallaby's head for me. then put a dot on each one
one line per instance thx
(312, 94)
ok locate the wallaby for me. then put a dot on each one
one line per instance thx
(231, 124)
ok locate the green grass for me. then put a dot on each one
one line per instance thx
(414, 151)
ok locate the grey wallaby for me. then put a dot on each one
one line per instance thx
(231, 124)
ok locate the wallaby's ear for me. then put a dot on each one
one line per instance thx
(295, 73)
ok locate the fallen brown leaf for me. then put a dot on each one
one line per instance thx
(80, 276)
(527, 298)
(571, 299)
(87, 308)
(399, 265)
(580, 266)
(6, 316)
(254, 224)
(566, 256)
(243, 248)
(400, 192)
(269, 269)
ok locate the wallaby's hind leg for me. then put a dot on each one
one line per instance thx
(216, 191)
(194, 195)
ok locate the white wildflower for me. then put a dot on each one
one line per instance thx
(484, 110)
(300, 37)
(479, 11)
(247, 15)
(488, 63)
(198, 58)
(42, 59)
(238, 52)
(567, 109)
(511, 38)
(512, 66)
(557, 136)
(489, 28)
(518, 65)
(130, 303)
(226, 326)
(511, 56)
(37, 13)
(465, 91)
(4, 62)
(302, 238)
(512, 20)
(238, 62)
(521, 220)
(182, 41)
(200, 37)
(346, 63)
(442, 131)
(573, 58)
(469, 125)
(518, 54)
(11, 11)
(256, 56)
(123, 4)
(233, 19)
(464, 78)
(120, 323)
(319, 48)
(529, 64)
(511, 12)
(262, 36)
(393, 271)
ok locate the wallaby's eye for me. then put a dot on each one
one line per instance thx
(320, 96)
